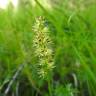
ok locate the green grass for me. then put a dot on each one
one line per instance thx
(73, 31)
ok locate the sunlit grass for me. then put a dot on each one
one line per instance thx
(73, 34)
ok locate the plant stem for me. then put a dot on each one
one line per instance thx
(49, 87)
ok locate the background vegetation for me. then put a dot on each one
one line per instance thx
(72, 25)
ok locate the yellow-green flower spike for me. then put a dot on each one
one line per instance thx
(43, 47)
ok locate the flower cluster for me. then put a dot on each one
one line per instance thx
(43, 47)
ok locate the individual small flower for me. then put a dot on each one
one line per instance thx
(43, 47)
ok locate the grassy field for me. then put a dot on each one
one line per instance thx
(66, 66)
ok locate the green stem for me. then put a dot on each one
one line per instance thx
(49, 87)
